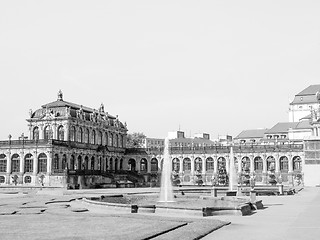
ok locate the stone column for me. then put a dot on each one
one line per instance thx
(21, 163)
(54, 129)
(35, 167)
(66, 132)
(215, 163)
(277, 166)
(49, 162)
(239, 164)
(8, 155)
(204, 166)
(264, 170)
(41, 131)
(148, 166)
(290, 170)
(138, 164)
(192, 166)
(251, 164)
(181, 165)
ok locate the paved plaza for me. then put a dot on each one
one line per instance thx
(55, 214)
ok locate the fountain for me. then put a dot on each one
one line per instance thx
(166, 192)
(233, 183)
(166, 202)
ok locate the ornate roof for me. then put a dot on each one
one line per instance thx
(61, 108)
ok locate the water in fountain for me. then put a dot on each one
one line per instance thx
(166, 193)
(232, 172)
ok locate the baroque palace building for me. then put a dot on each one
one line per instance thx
(66, 142)
(73, 146)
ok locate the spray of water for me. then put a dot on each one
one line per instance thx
(232, 172)
(166, 193)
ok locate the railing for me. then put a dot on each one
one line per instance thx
(24, 142)
(219, 149)
(71, 144)
(159, 150)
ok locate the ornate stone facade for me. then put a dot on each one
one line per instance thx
(67, 141)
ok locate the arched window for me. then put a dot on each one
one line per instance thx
(175, 164)
(245, 163)
(79, 163)
(47, 133)
(92, 163)
(35, 133)
(93, 137)
(87, 135)
(198, 164)
(121, 164)
(132, 165)
(99, 164)
(143, 165)
(73, 134)
(154, 165)
(258, 164)
(42, 163)
(296, 163)
(80, 135)
(28, 163)
(86, 163)
(60, 133)
(209, 164)
(3, 163)
(186, 164)
(56, 162)
(284, 164)
(64, 162)
(72, 162)
(115, 140)
(111, 164)
(100, 137)
(121, 141)
(106, 138)
(270, 163)
(15, 163)
(110, 139)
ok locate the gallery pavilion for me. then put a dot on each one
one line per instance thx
(70, 145)
(66, 140)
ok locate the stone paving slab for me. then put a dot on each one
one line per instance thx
(285, 217)
(50, 216)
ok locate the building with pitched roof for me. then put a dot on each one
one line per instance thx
(303, 102)
(253, 136)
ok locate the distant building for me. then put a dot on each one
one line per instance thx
(303, 102)
(178, 139)
(250, 136)
(176, 134)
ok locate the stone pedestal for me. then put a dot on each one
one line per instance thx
(253, 196)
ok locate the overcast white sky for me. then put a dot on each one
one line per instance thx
(207, 66)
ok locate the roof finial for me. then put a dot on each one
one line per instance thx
(101, 109)
(60, 95)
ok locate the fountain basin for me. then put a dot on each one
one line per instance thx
(183, 205)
